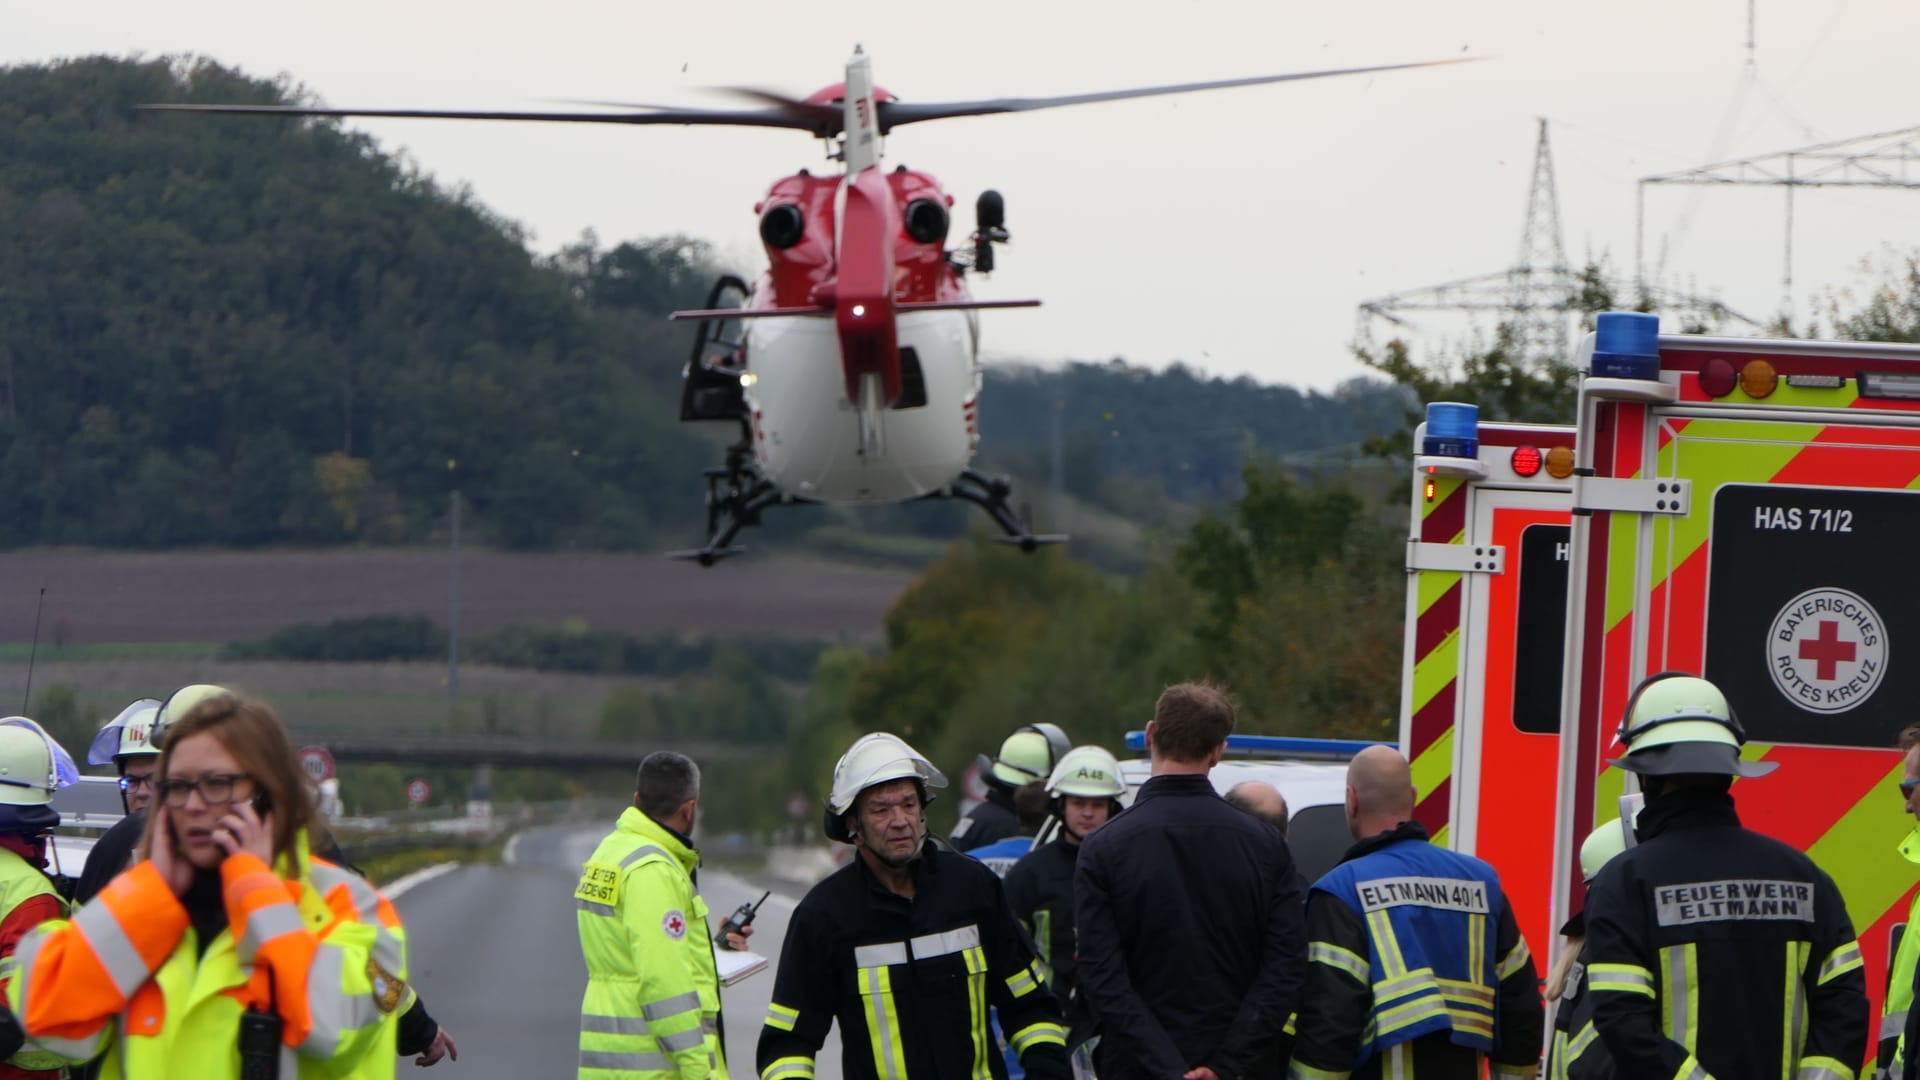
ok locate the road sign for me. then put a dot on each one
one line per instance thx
(316, 763)
(419, 791)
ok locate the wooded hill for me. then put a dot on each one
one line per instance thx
(240, 332)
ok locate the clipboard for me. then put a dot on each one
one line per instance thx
(732, 967)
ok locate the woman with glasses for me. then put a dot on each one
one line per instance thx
(226, 947)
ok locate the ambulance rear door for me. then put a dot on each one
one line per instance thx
(1480, 700)
(1750, 516)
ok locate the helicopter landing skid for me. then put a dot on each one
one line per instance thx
(736, 496)
(990, 494)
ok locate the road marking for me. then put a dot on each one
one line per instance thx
(395, 890)
(513, 844)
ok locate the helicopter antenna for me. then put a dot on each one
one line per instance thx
(33, 650)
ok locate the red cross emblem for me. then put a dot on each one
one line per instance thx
(674, 924)
(1827, 650)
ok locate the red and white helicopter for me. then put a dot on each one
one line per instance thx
(851, 365)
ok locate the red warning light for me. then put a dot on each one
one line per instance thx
(1526, 460)
(1717, 377)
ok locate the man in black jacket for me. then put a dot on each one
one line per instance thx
(1192, 941)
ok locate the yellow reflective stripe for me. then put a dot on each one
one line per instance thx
(976, 958)
(1500, 1070)
(788, 1068)
(1323, 952)
(782, 1018)
(1692, 1070)
(1407, 1014)
(1680, 989)
(1515, 959)
(883, 1023)
(1822, 1068)
(1021, 983)
(1291, 1027)
(1038, 1033)
(1468, 993)
(1842, 960)
(1796, 1005)
(1380, 933)
(1620, 978)
(1301, 1071)
(1476, 944)
(1579, 1043)
(1043, 939)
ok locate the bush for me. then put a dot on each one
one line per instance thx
(375, 638)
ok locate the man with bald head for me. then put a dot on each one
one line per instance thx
(1416, 966)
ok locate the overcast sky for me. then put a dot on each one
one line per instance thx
(1235, 230)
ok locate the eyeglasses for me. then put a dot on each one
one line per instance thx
(128, 783)
(216, 789)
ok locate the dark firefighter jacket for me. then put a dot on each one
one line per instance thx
(989, 821)
(1576, 1052)
(1040, 890)
(1417, 968)
(1715, 951)
(1192, 941)
(910, 981)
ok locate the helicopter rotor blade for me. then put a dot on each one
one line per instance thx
(771, 118)
(895, 113)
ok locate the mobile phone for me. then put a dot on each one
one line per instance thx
(262, 803)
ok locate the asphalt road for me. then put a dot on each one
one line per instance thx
(496, 955)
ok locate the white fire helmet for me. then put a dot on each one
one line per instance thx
(32, 765)
(128, 735)
(872, 760)
(1089, 772)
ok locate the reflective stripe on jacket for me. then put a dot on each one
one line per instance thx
(127, 975)
(652, 1006)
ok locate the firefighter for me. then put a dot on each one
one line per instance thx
(1900, 980)
(1417, 967)
(1085, 788)
(1030, 803)
(907, 946)
(126, 743)
(32, 767)
(1026, 755)
(1712, 950)
(652, 1006)
(226, 946)
(1576, 1052)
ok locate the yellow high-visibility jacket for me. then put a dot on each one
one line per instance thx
(652, 1007)
(306, 938)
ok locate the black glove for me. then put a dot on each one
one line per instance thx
(12, 1035)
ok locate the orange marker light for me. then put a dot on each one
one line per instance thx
(1526, 460)
(1429, 491)
(1560, 462)
(1758, 378)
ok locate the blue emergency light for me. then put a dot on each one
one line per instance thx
(1626, 345)
(1283, 747)
(1453, 430)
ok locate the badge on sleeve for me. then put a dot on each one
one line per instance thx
(388, 988)
(674, 925)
